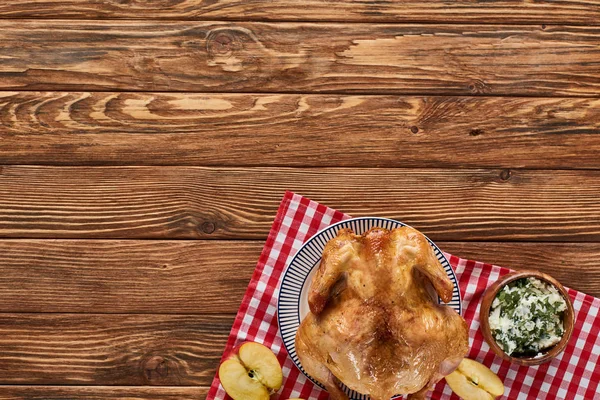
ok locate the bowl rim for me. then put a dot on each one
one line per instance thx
(484, 312)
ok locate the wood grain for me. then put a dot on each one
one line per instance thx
(116, 349)
(292, 57)
(173, 350)
(297, 130)
(79, 276)
(497, 11)
(199, 277)
(236, 203)
(100, 393)
(573, 264)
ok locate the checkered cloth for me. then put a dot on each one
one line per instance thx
(575, 374)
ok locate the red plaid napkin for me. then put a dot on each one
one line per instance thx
(573, 375)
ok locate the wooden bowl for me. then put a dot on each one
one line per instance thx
(484, 313)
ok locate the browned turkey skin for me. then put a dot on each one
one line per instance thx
(374, 325)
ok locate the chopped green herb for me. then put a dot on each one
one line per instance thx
(527, 316)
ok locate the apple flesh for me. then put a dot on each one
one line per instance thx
(474, 381)
(251, 372)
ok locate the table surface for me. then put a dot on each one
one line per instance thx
(145, 146)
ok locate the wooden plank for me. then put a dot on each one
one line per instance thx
(497, 11)
(115, 349)
(240, 203)
(285, 57)
(297, 130)
(573, 264)
(125, 349)
(100, 393)
(199, 277)
(127, 276)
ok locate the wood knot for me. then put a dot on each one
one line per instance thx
(223, 42)
(155, 367)
(505, 174)
(479, 87)
(225, 48)
(208, 227)
(414, 129)
(220, 44)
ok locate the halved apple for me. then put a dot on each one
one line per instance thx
(474, 381)
(252, 372)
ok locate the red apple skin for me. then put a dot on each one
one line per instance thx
(233, 353)
(236, 349)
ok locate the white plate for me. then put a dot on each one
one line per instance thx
(292, 305)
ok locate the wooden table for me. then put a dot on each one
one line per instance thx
(144, 148)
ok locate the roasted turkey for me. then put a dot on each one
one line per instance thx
(374, 322)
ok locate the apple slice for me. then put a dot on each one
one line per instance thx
(251, 372)
(474, 381)
(465, 389)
